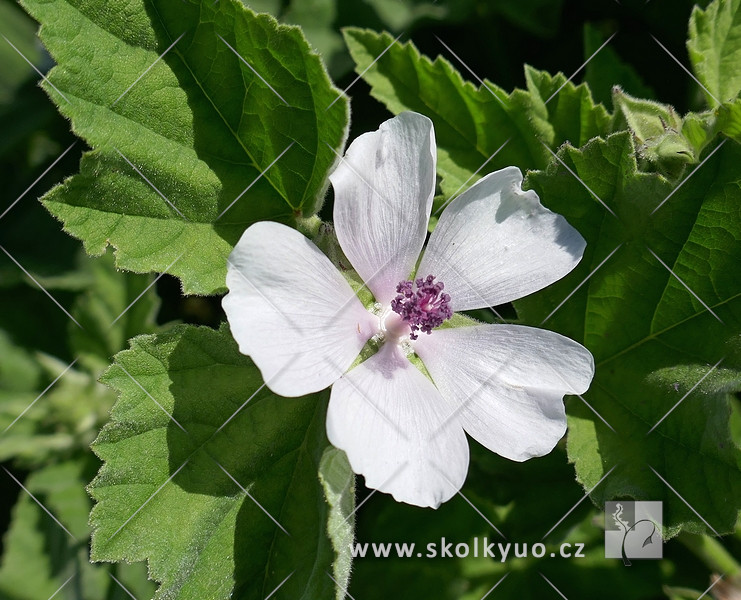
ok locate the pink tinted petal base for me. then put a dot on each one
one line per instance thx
(397, 431)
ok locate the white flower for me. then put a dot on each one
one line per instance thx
(293, 312)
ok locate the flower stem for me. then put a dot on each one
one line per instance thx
(309, 226)
(712, 553)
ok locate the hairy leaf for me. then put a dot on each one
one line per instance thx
(213, 479)
(203, 118)
(482, 128)
(714, 47)
(657, 301)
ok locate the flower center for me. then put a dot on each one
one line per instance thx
(423, 308)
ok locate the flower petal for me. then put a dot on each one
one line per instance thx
(396, 430)
(508, 383)
(291, 310)
(383, 196)
(495, 243)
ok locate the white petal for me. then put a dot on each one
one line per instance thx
(397, 430)
(496, 243)
(291, 310)
(508, 383)
(383, 196)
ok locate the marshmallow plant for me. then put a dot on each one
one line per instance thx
(402, 427)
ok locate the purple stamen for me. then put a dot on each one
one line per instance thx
(425, 308)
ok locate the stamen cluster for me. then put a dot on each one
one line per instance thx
(424, 308)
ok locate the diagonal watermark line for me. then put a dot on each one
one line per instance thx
(696, 297)
(141, 387)
(240, 57)
(154, 187)
(580, 180)
(59, 589)
(369, 496)
(584, 497)
(48, 387)
(462, 495)
(699, 516)
(125, 310)
(692, 389)
(553, 586)
(470, 70)
(41, 287)
(360, 176)
(39, 178)
(476, 293)
(704, 160)
(279, 586)
(575, 73)
(262, 173)
(234, 414)
(492, 588)
(576, 289)
(469, 399)
(267, 300)
(170, 47)
(46, 510)
(594, 410)
(251, 497)
(465, 183)
(364, 71)
(342, 587)
(35, 69)
(686, 70)
(711, 586)
(122, 586)
(364, 396)
(148, 500)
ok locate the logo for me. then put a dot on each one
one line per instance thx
(632, 530)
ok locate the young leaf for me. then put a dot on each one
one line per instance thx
(116, 307)
(714, 47)
(42, 560)
(204, 118)
(213, 479)
(657, 301)
(478, 129)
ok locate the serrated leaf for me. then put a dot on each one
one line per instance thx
(475, 124)
(665, 362)
(193, 419)
(42, 560)
(177, 140)
(714, 47)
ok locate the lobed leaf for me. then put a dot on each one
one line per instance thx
(203, 118)
(216, 481)
(657, 301)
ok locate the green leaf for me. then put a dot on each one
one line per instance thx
(665, 363)
(730, 120)
(40, 556)
(714, 47)
(473, 124)
(117, 307)
(16, 70)
(206, 127)
(166, 493)
(572, 113)
(54, 419)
